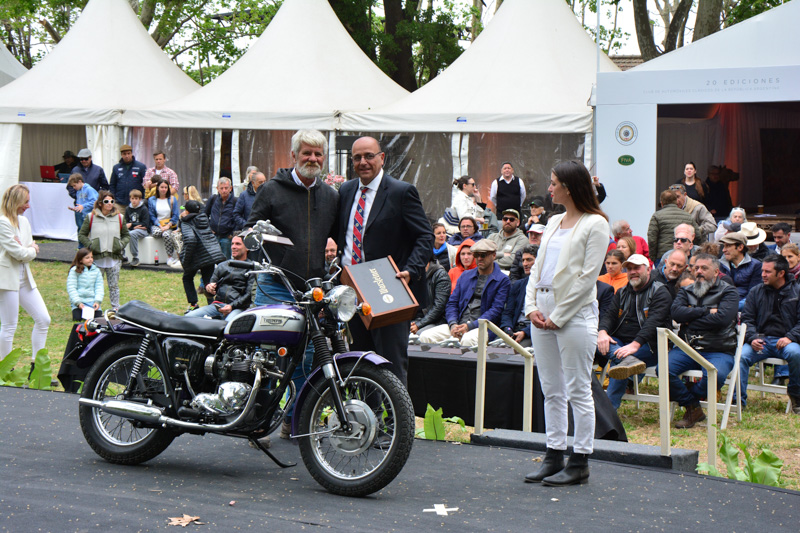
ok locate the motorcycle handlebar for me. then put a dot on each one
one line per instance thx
(248, 265)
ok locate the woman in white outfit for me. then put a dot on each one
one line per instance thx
(561, 304)
(17, 286)
(463, 200)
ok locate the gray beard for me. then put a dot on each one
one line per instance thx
(636, 283)
(702, 287)
(309, 173)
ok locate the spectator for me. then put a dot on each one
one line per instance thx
(84, 284)
(534, 239)
(599, 189)
(200, 250)
(513, 320)
(755, 240)
(510, 240)
(441, 250)
(627, 246)
(684, 241)
(163, 208)
(772, 315)
(702, 218)
(781, 234)
(706, 311)
(105, 234)
(694, 186)
(620, 229)
(507, 191)
(662, 225)
(468, 229)
(69, 162)
(438, 294)
(489, 218)
(231, 286)
(535, 233)
(85, 197)
(614, 275)
(463, 201)
(538, 214)
(733, 223)
(137, 220)
(219, 211)
(190, 193)
(792, 254)
(331, 258)
(718, 199)
(627, 331)
(126, 176)
(670, 271)
(464, 261)
(92, 174)
(737, 263)
(162, 172)
(244, 203)
(479, 293)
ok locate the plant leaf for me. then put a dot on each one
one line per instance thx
(434, 426)
(766, 468)
(729, 454)
(7, 366)
(42, 373)
(705, 467)
(183, 521)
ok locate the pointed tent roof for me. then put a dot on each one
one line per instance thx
(531, 70)
(117, 58)
(302, 71)
(10, 68)
(770, 39)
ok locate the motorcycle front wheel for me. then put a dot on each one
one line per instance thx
(369, 456)
(116, 439)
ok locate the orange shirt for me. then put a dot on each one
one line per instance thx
(617, 282)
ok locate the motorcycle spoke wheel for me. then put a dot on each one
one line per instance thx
(372, 452)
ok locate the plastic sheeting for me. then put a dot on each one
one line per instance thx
(189, 153)
(268, 150)
(45, 145)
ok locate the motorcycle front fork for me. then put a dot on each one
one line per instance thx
(324, 358)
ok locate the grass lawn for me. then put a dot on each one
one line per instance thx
(763, 422)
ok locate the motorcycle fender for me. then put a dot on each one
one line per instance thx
(371, 357)
(100, 343)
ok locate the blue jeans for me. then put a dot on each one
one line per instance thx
(79, 216)
(616, 387)
(790, 352)
(270, 291)
(225, 244)
(679, 363)
(136, 235)
(211, 311)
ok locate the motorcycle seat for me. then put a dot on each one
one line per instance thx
(148, 317)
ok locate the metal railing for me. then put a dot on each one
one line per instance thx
(665, 335)
(480, 381)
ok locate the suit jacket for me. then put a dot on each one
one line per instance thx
(14, 254)
(397, 226)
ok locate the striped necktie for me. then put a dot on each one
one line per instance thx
(358, 228)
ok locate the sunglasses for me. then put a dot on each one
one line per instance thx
(681, 239)
(481, 255)
(509, 219)
(108, 201)
(83, 159)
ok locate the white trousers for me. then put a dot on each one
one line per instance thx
(32, 302)
(440, 333)
(564, 360)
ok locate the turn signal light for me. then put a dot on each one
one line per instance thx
(282, 351)
(317, 294)
(366, 309)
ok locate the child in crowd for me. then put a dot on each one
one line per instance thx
(84, 284)
(137, 218)
(85, 197)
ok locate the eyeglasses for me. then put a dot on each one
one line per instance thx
(509, 219)
(676, 187)
(83, 159)
(369, 157)
(108, 201)
(681, 239)
(481, 255)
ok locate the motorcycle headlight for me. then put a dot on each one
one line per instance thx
(343, 302)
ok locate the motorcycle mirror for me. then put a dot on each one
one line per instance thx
(251, 240)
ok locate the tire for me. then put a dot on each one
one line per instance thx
(371, 456)
(116, 439)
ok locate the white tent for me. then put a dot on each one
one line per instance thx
(10, 68)
(531, 70)
(303, 70)
(707, 102)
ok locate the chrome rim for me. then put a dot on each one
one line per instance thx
(358, 453)
(117, 430)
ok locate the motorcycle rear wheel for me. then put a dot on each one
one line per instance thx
(374, 452)
(116, 439)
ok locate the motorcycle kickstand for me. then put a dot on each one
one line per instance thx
(270, 454)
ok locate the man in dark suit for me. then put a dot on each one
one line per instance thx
(381, 216)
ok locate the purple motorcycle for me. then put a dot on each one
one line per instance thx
(155, 375)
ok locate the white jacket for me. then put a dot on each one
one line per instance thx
(579, 263)
(14, 254)
(464, 206)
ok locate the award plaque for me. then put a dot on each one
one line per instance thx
(376, 283)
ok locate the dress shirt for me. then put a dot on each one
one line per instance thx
(372, 190)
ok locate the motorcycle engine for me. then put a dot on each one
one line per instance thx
(234, 369)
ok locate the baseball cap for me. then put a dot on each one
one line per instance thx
(636, 259)
(536, 228)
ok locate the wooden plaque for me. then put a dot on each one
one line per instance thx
(375, 283)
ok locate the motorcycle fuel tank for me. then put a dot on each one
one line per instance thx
(273, 324)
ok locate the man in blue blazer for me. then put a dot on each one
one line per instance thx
(381, 216)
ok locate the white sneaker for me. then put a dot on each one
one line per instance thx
(170, 261)
(176, 264)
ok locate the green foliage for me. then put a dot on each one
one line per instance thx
(586, 10)
(434, 428)
(9, 376)
(744, 9)
(765, 468)
(42, 373)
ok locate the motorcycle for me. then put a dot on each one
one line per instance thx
(155, 376)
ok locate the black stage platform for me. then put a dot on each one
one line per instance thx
(52, 481)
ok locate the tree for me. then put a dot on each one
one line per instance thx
(609, 38)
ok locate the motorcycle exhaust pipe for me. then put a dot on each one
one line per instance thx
(126, 409)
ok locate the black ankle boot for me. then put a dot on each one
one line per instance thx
(552, 463)
(33, 365)
(576, 471)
